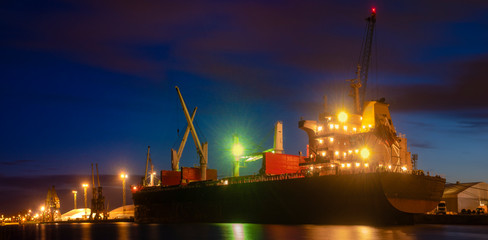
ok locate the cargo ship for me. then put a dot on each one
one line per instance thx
(357, 170)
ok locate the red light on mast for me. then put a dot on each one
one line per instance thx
(374, 10)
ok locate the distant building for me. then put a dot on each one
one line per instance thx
(460, 196)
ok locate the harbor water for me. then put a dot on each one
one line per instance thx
(128, 230)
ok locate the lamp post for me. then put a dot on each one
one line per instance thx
(123, 176)
(42, 212)
(85, 186)
(237, 151)
(74, 193)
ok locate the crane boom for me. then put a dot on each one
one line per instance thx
(366, 54)
(361, 79)
(176, 156)
(202, 152)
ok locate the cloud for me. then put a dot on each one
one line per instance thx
(424, 145)
(464, 90)
(16, 162)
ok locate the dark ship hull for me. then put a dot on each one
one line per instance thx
(382, 198)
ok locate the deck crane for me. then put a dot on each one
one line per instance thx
(202, 149)
(361, 79)
(176, 155)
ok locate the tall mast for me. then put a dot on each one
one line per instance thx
(147, 163)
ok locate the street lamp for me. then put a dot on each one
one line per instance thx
(85, 186)
(74, 193)
(123, 176)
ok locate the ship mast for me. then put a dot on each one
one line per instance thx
(361, 79)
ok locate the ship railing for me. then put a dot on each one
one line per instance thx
(259, 178)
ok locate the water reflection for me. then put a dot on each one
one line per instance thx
(236, 231)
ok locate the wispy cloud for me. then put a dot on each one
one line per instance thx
(16, 162)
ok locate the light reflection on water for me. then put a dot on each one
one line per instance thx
(123, 231)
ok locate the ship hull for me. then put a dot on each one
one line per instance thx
(369, 199)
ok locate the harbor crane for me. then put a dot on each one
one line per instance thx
(98, 210)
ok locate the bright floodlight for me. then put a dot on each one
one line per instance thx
(237, 150)
(365, 153)
(123, 175)
(84, 185)
(342, 116)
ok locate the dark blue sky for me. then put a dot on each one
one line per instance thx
(94, 81)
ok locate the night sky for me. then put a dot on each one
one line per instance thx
(93, 82)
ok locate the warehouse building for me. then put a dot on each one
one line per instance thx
(460, 196)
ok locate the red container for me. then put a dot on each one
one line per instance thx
(193, 174)
(170, 178)
(275, 163)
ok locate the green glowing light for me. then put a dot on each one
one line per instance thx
(237, 150)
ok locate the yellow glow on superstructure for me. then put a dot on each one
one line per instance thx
(345, 128)
(404, 168)
(348, 165)
(365, 153)
(342, 116)
(366, 165)
(336, 153)
(331, 126)
(321, 141)
(336, 126)
(331, 139)
(323, 154)
(319, 128)
(343, 165)
(357, 164)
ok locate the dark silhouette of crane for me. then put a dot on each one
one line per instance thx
(361, 79)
